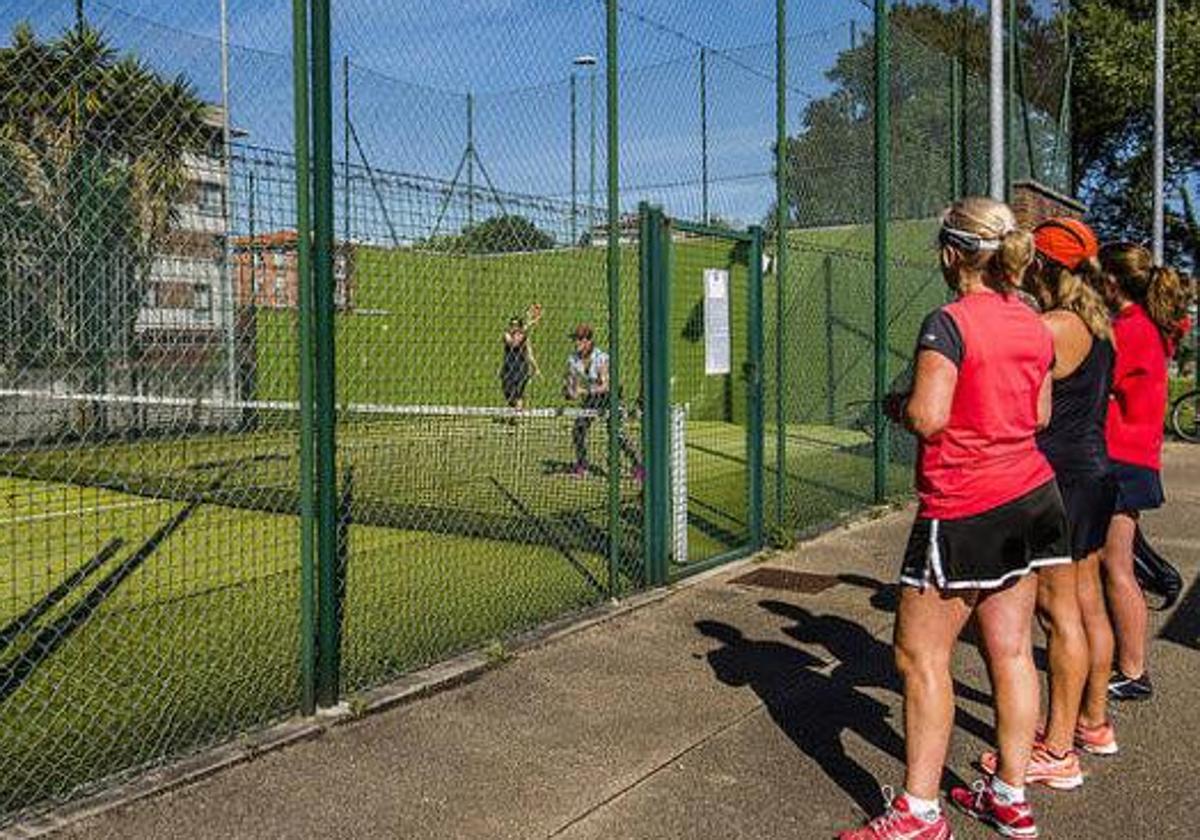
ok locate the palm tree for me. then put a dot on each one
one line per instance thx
(94, 149)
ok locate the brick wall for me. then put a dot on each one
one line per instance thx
(1033, 203)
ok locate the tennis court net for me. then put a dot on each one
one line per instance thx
(476, 471)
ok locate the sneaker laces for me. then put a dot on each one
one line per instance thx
(890, 818)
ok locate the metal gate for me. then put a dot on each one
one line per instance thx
(702, 367)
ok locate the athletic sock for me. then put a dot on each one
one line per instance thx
(927, 810)
(1006, 793)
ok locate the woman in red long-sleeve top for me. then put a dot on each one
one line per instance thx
(1149, 306)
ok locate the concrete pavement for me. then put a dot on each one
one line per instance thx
(762, 708)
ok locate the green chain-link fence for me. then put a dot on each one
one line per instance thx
(234, 487)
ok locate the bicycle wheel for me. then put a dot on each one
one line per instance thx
(1183, 416)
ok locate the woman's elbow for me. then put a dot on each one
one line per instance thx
(926, 423)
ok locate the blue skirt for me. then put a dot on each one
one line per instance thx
(1138, 488)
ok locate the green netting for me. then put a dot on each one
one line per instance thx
(150, 425)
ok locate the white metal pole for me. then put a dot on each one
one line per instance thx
(227, 306)
(996, 115)
(1160, 107)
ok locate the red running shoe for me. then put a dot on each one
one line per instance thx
(1097, 740)
(1010, 820)
(899, 823)
(1045, 768)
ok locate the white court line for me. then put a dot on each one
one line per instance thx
(40, 517)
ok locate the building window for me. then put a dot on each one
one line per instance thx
(209, 199)
(202, 301)
(280, 285)
(280, 260)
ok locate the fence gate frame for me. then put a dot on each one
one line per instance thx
(657, 278)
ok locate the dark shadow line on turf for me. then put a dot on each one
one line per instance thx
(548, 532)
(52, 637)
(26, 619)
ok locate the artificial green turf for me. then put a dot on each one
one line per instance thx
(464, 530)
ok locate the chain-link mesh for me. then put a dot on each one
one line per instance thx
(148, 576)
(150, 400)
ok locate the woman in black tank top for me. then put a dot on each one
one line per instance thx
(1071, 604)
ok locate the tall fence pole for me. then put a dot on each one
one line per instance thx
(704, 134)
(574, 167)
(883, 153)
(346, 152)
(304, 302)
(227, 306)
(956, 128)
(470, 160)
(781, 216)
(591, 214)
(329, 641)
(1010, 100)
(1160, 108)
(996, 116)
(614, 304)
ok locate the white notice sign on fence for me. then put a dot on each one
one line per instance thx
(716, 322)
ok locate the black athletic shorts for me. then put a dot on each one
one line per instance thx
(1138, 488)
(988, 550)
(514, 386)
(1090, 503)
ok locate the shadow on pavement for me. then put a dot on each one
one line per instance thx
(1183, 628)
(811, 707)
(866, 662)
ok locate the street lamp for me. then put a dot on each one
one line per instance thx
(590, 61)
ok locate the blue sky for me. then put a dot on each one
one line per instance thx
(412, 62)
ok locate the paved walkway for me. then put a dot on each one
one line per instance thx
(728, 710)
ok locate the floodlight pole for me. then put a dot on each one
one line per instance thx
(996, 115)
(1160, 107)
(574, 167)
(592, 158)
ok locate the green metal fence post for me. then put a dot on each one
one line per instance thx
(830, 338)
(704, 134)
(329, 633)
(956, 134)
(308, 653)
(883, 153)
(656, 440)
(1010, 99)
(754, 388)
(781, 274)
(614, 303)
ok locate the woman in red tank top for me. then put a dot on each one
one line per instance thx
(1150, 308)
(989, 514)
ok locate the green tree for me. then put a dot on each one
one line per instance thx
(93, 162)
(1112, 115)
(830, 161)
(501, 234)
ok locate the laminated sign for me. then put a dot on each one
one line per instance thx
(716, 322)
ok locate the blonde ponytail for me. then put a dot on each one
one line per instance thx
(984, 233)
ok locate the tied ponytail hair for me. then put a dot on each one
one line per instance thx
(1011, 260)
(1166, 302)
(1158, 289)
(983, 233)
